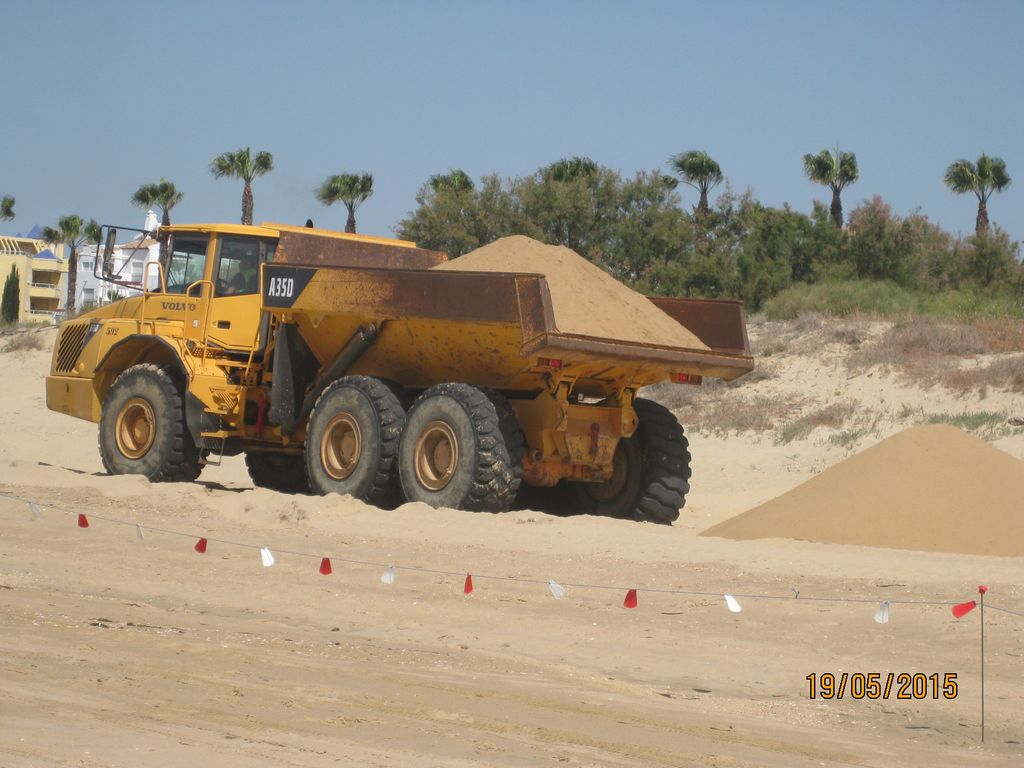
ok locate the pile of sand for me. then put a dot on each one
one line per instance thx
(932, 488)
(586, 300)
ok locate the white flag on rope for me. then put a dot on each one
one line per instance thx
(882, 614)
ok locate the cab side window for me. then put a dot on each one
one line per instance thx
(238, 268)
(186, 263)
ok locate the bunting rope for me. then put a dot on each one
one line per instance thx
(556, 588)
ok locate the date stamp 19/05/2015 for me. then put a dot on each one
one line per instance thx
(882, 685)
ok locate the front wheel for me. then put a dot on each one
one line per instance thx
(651, 474)
(142, 429)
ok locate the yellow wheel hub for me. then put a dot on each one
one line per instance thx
(135, 428)
(437, 455)
(341, 446)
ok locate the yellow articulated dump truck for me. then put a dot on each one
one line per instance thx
(341, 363)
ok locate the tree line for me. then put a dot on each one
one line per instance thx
(637, 229)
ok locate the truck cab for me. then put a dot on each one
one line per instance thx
(211, 283)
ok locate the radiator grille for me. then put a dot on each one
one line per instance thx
(69, 347)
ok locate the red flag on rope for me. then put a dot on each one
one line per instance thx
(467, 588)
(325, 566)
(630, 601)
(964, 608)
(201, 546)
(83, 521)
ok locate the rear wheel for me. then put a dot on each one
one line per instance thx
(284, 472)
(462, 448)
(142, 428)
(651, 471)
(352, 439)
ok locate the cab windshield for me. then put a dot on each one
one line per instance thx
(186, 263)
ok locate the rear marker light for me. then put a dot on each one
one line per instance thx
(549, 362)
(686, 378)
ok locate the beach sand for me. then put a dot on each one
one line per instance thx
(126, 652)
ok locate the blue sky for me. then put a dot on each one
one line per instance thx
(101, 97)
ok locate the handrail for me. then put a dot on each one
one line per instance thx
(256, 336)
(206, 318)
(146, 292)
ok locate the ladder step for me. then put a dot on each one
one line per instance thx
(210, 444)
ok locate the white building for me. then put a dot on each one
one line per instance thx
(128, 263)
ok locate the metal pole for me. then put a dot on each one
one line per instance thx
(981, 593)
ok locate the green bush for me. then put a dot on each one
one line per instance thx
(888, 300)
(11, 301)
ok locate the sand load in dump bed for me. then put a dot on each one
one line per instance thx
(586, 301)
(933, 488)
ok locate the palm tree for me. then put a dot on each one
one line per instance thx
(6, 208)
(352, 189)
(164, 195)
(697, 169)
(456, 181)
(242, 164)
(836, 171)
(72, 231)
(569, 169)
(988, 176)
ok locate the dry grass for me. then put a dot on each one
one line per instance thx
(834, 416)
(723, 416)
(1005, 373)
(1001, 334)
(719, 407)
(25, 342)
(920, 343)
(807, 333)
(928, 352)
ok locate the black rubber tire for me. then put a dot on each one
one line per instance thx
(377, 410)
(172, 456)
(284, 472)
(489, 469)
(652, 472)
(515, 441)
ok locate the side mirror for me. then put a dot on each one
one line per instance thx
(108, 251)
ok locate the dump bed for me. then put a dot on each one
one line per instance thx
(491, 329)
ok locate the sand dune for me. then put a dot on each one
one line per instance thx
(933, 488)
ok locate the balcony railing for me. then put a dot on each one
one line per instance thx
(44, 291)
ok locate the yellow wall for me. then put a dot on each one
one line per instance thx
(20, 252)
